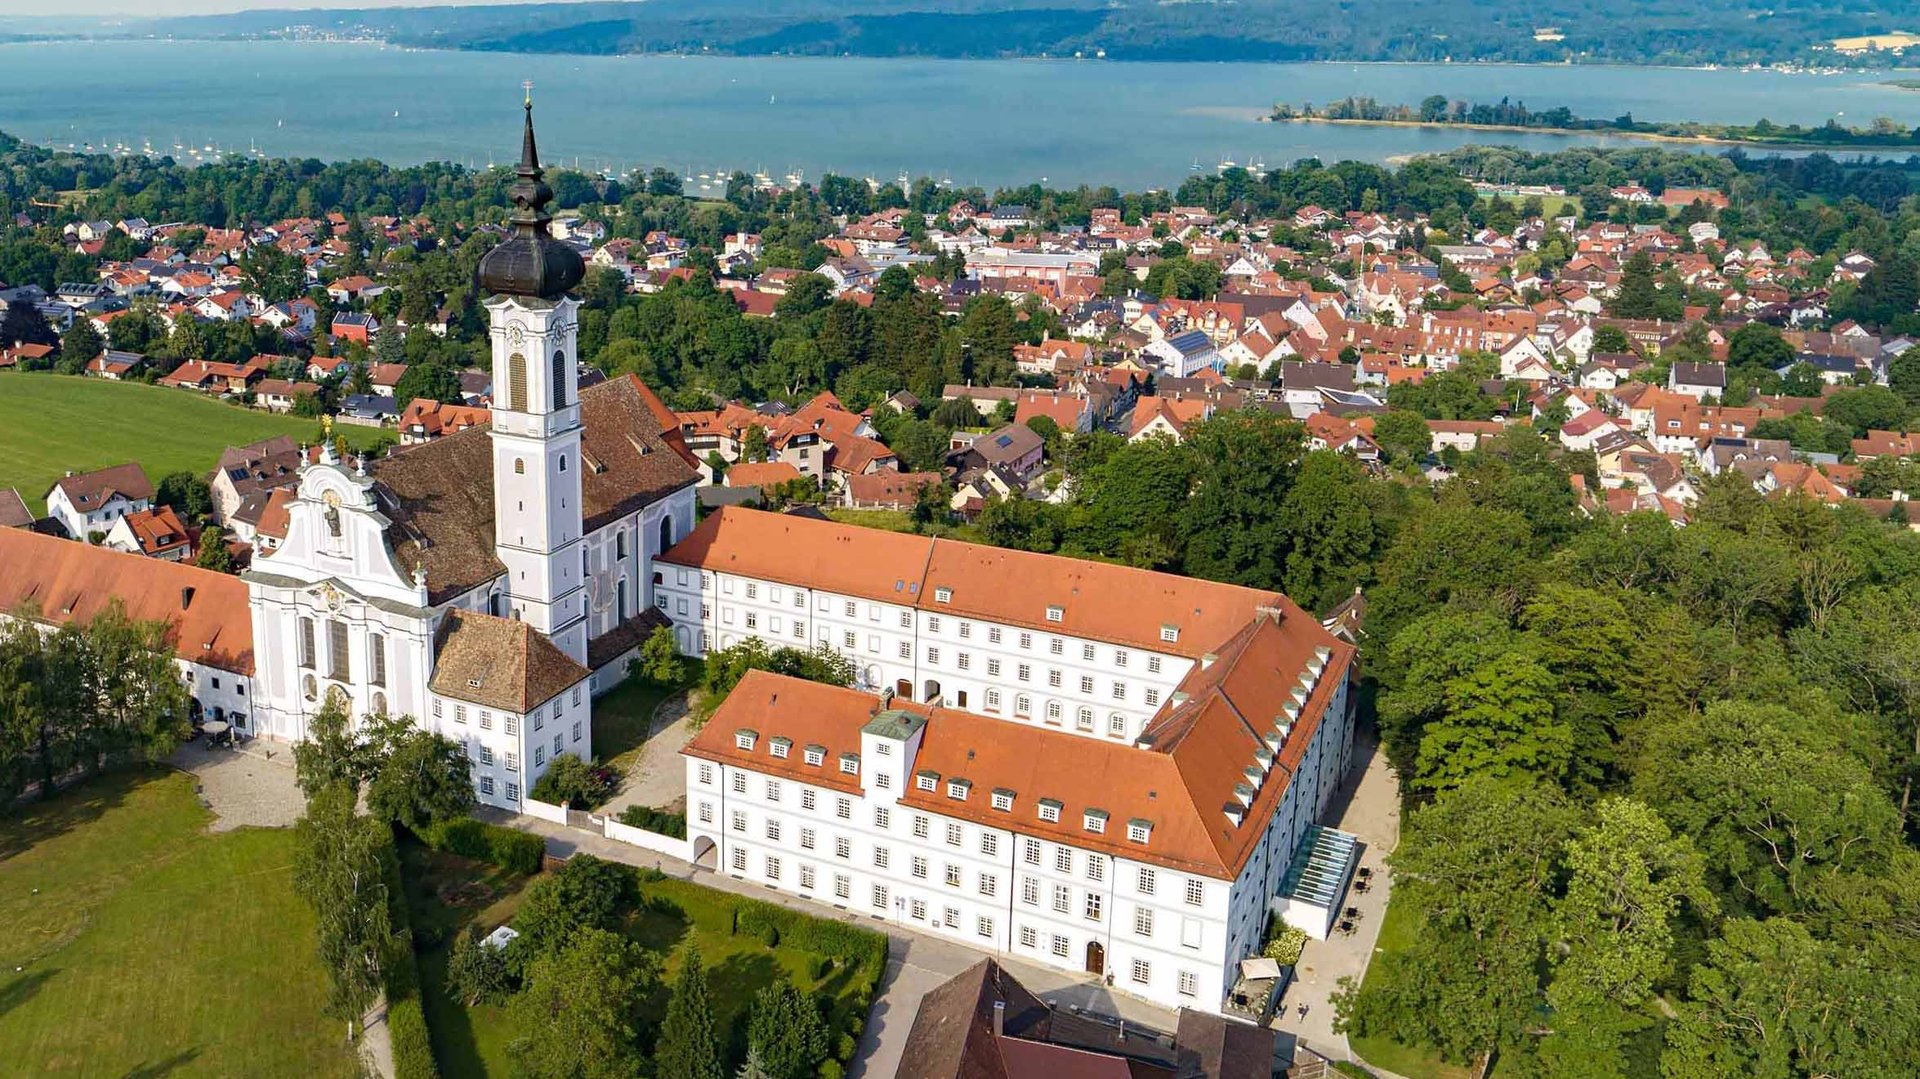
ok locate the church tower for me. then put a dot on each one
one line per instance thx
(536, 413)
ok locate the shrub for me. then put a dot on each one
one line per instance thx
(818, 967)
(477, 972)
(654, 820)
(571, 781)
(412, 1048)
(831, 1069)
(844, 1047)
(821, 936)
(1348, 1067)
(521, 852)
(1285, 945)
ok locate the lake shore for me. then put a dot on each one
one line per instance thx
(1647, 136)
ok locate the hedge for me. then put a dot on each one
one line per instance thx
(407, 1034)
(412, 1045)
(654, 820)
(507, 848)
(776, 924)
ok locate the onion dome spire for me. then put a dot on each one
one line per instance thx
(531, 262)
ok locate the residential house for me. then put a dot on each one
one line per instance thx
(88, 502)
(155, 533)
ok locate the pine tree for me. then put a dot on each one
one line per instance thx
(689, 1045)
(752, 1069)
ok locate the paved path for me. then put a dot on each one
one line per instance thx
(916, 962)
(251, 786)
(1368, 806)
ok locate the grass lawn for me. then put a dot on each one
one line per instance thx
(449, 893)
(51, 423)
(152, 946)
(1397, 930)
(620, 720)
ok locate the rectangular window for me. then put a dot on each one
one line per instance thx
(919, 827)
(933, 657)
(983, 926)
(882, 857)
(953, 834)
(706, 812)
(1056, 646)
(1086, 683)
(739, 859)
(843, 809)
(989, 844)
(953, 875)
(842, 847)
(806, 877)
(1030, 891)
(933, 625)
(806, 838)
(486, 755)
(919, 908)
(1062, 899)
(993, 700)
(1196, 893)
(738, 820)
(1142, 922)
(879, 897)
(486, 786)
(952, 919)
(1093, 906)
(1055, 614)
(739, 782)
(376, 658)
(842, 886)
(1142, 972)
(1153, 664)
(306, 644)
(988, 884)
(1153, 698)
(486, 720)
(1086, 652)
(773, 868)
(1029, 938)
(1063, 860)
(905, 650)
(993, 668)
(1189, 984)
(1032, 853)
(1146, 881)
(919, 867)
(338, 668)
(809, 798)
(1053, 678)
(1059, 946)
(882, 817)
(512, 724)
(773, 829)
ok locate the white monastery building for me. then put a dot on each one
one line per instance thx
(1087, 766)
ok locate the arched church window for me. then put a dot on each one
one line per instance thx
(563, 462)
(519, 466)
(517, 381)
(559, 379)
(380, 704)
(666, 532)
(309, 688)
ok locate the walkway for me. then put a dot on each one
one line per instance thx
(251, 786)
(1368, 806)
(916, 962)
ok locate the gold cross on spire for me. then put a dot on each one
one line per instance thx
(528, 87)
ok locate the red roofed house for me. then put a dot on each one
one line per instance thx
(155, 533)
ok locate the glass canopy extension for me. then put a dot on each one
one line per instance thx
(1320, 867)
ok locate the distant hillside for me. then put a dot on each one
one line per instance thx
(1620, 31)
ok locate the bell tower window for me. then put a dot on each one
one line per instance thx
(519, 466)
(517, 381)
(559, 378)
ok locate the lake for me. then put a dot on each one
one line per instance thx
(985, 122)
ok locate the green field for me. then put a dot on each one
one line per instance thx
(52, 423)
(446, 894)
(151, 946)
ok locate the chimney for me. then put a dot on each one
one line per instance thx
(999, 1018)
(186, 597)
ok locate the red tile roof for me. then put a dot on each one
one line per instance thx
(67, 581)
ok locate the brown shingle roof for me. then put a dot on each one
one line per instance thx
(88, 490)
(499, 663)
(440, 494)
(13, 509)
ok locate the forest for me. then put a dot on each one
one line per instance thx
(1436, 110)
(1633, 31)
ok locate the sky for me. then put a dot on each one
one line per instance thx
(154, 8)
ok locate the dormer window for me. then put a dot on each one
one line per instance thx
(1003, 799)
(780, 747)
(1139, 831)
(957, 789)
(1055, 614)
(927, 781)
(850, 763)
(943, 595)
(1095, 821)
(1169, 634)
(816, 755)
(744, 739)
(1050, 810)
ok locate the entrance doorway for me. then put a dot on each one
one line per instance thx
(1096, 958)
(903, 688)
